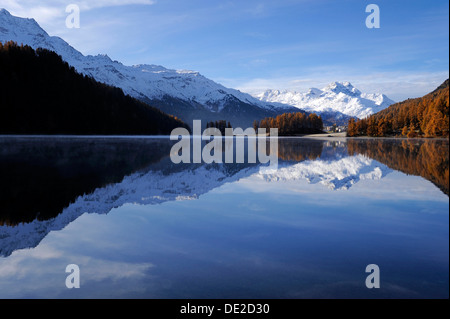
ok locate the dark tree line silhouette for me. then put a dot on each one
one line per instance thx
(427, 116)
(42, 94)
(220, 125)
(39, 178)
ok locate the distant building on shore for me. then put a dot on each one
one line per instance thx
(336, 129)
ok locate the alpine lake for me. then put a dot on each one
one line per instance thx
(137, 225)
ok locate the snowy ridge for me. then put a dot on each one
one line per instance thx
(336, 175)
(153, 82)
(155, 187)
(149, 188)
(340, 97)
(140, 81)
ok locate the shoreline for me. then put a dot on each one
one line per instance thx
(325, 135)
(342, 135)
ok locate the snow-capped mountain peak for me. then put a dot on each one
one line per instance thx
(190, 95)
(336, 97)
(163, 87)
(342, 87)
(314, 92)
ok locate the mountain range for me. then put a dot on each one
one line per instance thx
(190, 95)
(341, 97)
(185, 94)
(42, 94)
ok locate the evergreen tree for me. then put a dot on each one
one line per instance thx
(42, 94)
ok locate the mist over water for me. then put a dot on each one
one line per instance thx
(139, 225)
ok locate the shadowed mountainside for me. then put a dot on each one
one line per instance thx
(41, 94)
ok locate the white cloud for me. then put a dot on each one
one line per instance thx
(53, 9)
(97, 31)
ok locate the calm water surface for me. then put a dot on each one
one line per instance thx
(139, 226)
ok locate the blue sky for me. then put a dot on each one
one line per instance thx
(254, 45)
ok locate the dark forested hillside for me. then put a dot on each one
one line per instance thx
(426, 116)
(41, 177)
(42, 94)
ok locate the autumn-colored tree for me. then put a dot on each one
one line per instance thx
(412, 131)
(361, 127)
(428, 115)
(351, 130)
(256, 125)
(382, 127)
(372, 129)
(293, 123)
(405, 130)
(428, 159)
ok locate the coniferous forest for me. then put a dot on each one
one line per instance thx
(42, 94)
(421, 117)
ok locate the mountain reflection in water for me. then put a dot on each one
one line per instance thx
(42, 176)
(130, 218)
